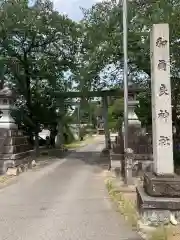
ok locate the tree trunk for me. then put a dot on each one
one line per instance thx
(53, 133)
(36, 145)
(52, 140)
(30, 136)
(60, 136)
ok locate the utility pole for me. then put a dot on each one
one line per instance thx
(125, 39)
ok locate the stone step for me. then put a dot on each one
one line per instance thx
(10, 132)
(15, 149)
(18, 140)
(117, 157)
(15, 156)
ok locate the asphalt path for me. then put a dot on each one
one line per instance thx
(66, 200)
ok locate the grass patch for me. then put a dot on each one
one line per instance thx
(4, 178)
(162, 233)
(76, 144)
(125, 206)
(159, 234)
(128, 209)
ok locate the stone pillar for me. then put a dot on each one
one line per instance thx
(161, 101)
(106, 128)
(128, 160)
(161, 115)
(160, 196)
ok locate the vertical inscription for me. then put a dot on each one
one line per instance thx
(163, 114)
(160, 42)
(163, 90)
(164, 141)
(162, 65)
(161, 100)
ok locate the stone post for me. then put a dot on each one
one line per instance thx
(159, 199)
(128, 163)
(106, 128)
(163, 165)
(161, 101)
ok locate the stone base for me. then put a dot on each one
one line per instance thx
(12, 171)
(141, 164)
(118, 148)
(155, 211)
(16, 160)
(14, 149)
(162, 186)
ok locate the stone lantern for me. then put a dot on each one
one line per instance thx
(134, 125)
(15, 149)
(133, 121)
(6, 102)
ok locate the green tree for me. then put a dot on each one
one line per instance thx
(116, 114)
(37, 48)
(108, 43)
(143, 110)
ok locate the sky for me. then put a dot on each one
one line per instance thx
(72, 7)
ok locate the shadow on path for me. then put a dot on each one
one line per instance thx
(88, 157)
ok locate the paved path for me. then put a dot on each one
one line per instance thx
(66, 200)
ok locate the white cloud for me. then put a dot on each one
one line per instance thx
(72, 7)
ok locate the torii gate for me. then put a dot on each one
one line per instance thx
(104, 94)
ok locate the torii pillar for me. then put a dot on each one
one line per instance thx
(106, 128)
(60, 137)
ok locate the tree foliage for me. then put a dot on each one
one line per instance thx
(108, 43)
(116, 114)
(43, 51)
(143, 110)
(37, 48)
